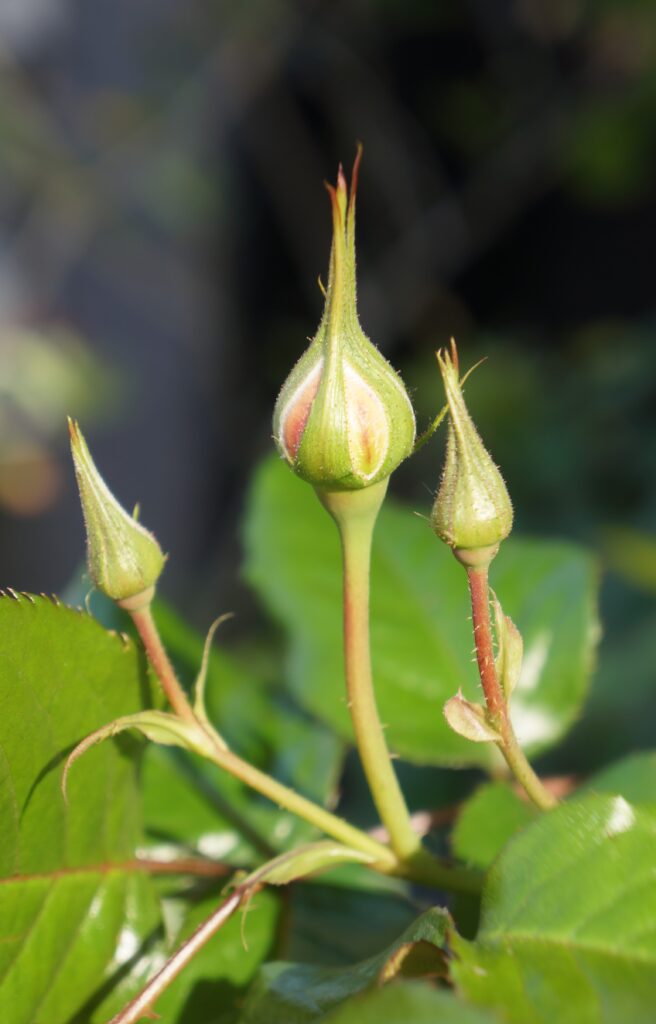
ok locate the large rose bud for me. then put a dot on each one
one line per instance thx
(343, 419)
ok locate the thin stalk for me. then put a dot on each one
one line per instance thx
(355, 513)
(159, 659)
(142, 1005)
(494, 696)
(324, 820)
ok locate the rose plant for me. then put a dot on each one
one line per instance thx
(178, 838)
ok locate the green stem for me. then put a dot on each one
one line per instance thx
(355, 513)
(522, 770)
(494, 696)
(299, 805)
(426, 869)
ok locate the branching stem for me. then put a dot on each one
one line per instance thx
(407, 859)
(291, 801)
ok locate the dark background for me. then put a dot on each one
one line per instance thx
(163, 222)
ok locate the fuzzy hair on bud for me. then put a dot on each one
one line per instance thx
(472, 512)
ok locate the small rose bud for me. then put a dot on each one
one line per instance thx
(343, 419)
(472, 511)
(125, 561)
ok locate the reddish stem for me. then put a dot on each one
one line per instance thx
(480, 602)
(147, 630)
(494, 696)
(142, 1005)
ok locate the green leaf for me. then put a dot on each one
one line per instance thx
(286, 993)
(632, 555)
(620, 715)
(488, 820)
(421, 636)
(409, 1003)
(568, 930)
(76, 915)
(634, 778)
(191, 808)
(81, 925)
(345, 916)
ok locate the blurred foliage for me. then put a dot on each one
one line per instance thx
(44, 374)
(161, 190)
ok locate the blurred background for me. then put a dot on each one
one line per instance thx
(163, 222)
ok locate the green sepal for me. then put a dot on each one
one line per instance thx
(510, 649)
(305, 860)
(199, 685)
(158, 726)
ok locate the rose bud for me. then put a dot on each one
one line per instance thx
(125, 561)
(472, 512)
(343, 419)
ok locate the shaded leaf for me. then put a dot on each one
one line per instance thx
(299, 993)
(620, 715)
(410, 1003)
(634, 778)
(492, 816)
(345, 916)
(76, 916)
(632, 555)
